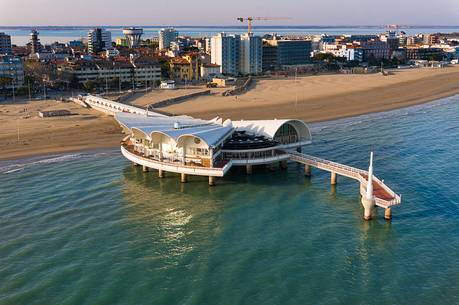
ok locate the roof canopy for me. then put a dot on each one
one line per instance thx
(269, 128)
(176, 128)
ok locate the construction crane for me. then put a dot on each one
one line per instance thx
(250, 19)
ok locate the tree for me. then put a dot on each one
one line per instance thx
(327, 57)
(89, 85)
(5, 82)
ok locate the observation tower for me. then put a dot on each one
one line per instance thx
(133, 36)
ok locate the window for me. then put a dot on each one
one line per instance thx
(286, 134)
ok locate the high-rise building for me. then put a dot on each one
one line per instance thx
(251, 54)
(12, 68)
(166, 37)
(225, 52)
(269, 57)
(5, 44)
(99, 40)
(35, 45)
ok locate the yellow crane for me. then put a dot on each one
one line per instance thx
(250, 19)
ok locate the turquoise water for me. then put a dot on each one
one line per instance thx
(21, 36)
(91, 229)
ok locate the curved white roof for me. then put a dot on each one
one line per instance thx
(268, 128)
(210, 132)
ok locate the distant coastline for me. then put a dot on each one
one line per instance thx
(83, 27)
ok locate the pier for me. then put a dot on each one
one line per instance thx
(189, 146)
(374, 191)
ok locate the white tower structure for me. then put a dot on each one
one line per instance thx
(133, 36)
(368, 200)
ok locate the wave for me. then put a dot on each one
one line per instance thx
(10, 167)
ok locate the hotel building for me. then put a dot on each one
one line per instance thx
(11, 67)
(166, 37)
(225, 52)
(136, 71)
(5, 44)
(251, 61)
(99, 40)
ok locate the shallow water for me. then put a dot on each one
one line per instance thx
(91, 229)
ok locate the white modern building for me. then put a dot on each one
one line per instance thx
(225, 52)
(189, 146)
(251, 54)
(166, 37)
(99, 40)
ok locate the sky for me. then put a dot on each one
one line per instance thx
(215, 12)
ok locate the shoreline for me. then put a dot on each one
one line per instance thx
(317, 125)
(327, 97)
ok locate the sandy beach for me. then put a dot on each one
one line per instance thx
(311, 98)
(84, 130)
(327, 97)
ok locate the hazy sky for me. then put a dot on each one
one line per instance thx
(215, 12)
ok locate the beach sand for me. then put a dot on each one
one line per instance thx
(86, 129)
(327, 97)
(312, 98)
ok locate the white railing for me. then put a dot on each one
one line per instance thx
(348, 171)
(176, 166)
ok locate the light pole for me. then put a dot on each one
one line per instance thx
(14, 94)
(296, 87)
(30, 94)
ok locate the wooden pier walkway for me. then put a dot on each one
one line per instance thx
(383, 196)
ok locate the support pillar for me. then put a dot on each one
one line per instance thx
(161, 173)
(388, 214)
(307, 170)
(368, 206)
(211, 181)
(333, 178)
(249, 169)
(283, 164)
(144, 168)
(183, 178)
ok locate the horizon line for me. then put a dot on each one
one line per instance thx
(237, 26)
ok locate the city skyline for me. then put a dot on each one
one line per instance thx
(203, 12)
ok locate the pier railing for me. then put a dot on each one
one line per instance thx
(384, 196)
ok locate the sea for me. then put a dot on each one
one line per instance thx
(48, 35)
(89, 228)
